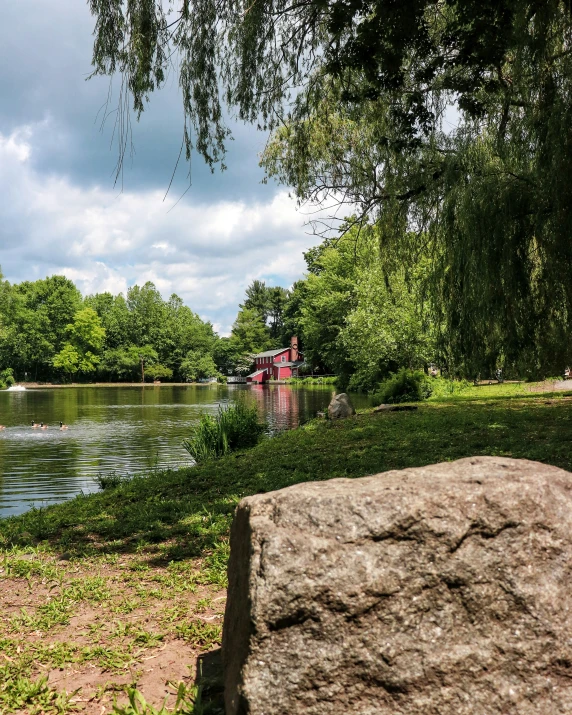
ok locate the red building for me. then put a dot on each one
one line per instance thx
(277, 364)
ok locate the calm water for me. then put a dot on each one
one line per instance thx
(120, 429)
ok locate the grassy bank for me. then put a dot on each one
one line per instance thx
(126, 587)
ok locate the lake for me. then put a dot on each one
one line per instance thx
(119, 429)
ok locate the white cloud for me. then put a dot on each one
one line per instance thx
(105, 240)
(96, 278)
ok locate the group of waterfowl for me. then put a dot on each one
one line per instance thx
(41, 425)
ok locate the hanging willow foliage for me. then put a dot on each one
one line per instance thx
(490, 198)
(359, 95)
(263, 58)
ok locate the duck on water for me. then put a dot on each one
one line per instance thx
(41, 425)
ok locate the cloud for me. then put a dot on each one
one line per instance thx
(205, 251)
(45, 59)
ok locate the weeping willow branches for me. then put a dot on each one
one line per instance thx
(449, 120)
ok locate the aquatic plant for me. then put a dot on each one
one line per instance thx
(234, 427)
(109, 481)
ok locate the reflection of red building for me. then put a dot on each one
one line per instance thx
(277, 364)
(279, 405)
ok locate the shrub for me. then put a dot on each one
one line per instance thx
(156, 372)
(441, 387)
(6, 377)
(109, 481)
(365, 379)
(235, 427)
(404, 386)
(329, 380)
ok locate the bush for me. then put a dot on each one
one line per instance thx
(441, 387)
(6, 378)
(158, 372)
(329, 380)
(235, 427)
(109, 481)
(404, 386)
(365, 379)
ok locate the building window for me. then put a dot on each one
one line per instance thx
(283, 358)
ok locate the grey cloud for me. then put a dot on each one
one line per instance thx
(59, 211)
(46, 55)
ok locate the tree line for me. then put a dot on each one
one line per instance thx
(48, 331)
(358, 312)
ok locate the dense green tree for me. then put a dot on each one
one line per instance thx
(197, 365)
(69, 360)
(148, 315)
(360, 314)
(227, 355)
(34, 323)
(277, 300)
(120, 364)
(184, 331)
(86, 332)
(269, 303)
(47, 329)
(128, 363)
(171, 327)
(158, 372)
(292, 314)
(257, 299)
(492, 196)
(86, 337)
(250, 332)
(114, 315)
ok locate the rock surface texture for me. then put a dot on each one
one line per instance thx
(443, 590)
(340, 407)
(395, 408)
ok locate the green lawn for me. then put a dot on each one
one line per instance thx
(173, 526)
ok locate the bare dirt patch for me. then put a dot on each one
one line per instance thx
(88, 629)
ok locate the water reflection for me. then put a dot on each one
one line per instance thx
(121, 429)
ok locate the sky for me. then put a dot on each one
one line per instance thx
(60, 212)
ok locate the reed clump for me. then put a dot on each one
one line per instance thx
(234, 427)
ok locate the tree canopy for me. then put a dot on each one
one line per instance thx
(447, 124)
(49, 330)
(251, 56)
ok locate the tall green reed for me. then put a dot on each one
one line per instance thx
(234, 427)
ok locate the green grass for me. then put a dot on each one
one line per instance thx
(186, 513)
(165, 536)
(445, 390)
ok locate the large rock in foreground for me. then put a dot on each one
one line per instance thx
(444, 590)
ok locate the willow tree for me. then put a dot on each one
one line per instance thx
(357, 94)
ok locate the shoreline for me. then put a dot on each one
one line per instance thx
(53, 386)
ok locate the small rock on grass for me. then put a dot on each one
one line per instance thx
(395, 408)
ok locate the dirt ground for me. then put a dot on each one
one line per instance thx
(93, 627)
